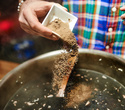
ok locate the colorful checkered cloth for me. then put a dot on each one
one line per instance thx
(99, 24)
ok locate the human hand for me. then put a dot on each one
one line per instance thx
(123, 15)
(32, 14)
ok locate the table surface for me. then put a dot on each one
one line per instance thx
(6, 66)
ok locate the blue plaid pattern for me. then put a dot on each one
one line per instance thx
(99, 24)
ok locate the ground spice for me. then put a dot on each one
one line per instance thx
(61, 65)
(78, 94)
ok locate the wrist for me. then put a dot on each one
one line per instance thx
(21, 2)
(19, 5)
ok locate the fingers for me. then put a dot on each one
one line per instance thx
(62, 7)
(37, 26)
(122, 8)
(123, 18)
(124, 22)
(43, 10)
(123, 15)
(25, 26)
(31, 25)
(33, 22)
(29, 15)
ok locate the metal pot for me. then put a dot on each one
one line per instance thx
(41, 68)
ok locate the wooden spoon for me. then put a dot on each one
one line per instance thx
(72, 61)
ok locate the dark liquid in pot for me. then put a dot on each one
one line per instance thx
(104, 93)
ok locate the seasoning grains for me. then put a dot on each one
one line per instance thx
(62, 67)
(107, 97)
(79, 94)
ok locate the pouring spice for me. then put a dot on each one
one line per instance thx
(78, 94)
(65, 63)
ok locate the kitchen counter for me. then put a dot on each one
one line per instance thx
(6, 66)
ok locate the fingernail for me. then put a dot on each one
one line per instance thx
(54, 37)
(65, 9)
(122, 17)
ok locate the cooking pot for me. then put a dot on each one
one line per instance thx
(103, 69)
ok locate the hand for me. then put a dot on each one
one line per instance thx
(31, 14)
(123, 15)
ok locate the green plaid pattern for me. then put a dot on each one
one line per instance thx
(99, 24)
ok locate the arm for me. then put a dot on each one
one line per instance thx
(32, 13)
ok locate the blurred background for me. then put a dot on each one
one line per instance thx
(16, 46)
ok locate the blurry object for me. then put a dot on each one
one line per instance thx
(6, 25)
(25, 49)
(0, 14)
(41, 45)
(8, 7)
(10, 29)
(6, 67)
(12, 34)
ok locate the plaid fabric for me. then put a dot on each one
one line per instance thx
(99, 24)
